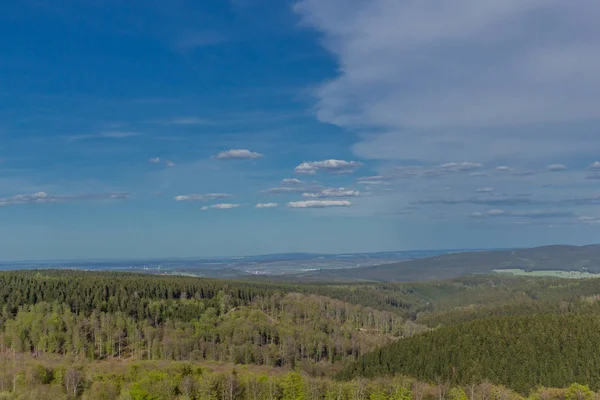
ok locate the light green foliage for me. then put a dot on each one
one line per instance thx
(293, 387)
(154, 385)
(457, 393)
(400, 392)
(579, 392)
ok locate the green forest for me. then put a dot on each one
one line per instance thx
(100, 335)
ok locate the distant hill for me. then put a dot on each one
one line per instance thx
(556, 257)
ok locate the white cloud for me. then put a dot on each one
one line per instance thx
(504, 168)
(201, 197)
(292, 189)
(428, 79)
(238, 154)
(332, 166)
(372, 182)
(221, 206)
(170, 163)
(535, 214)
(154, 160)
(291, 181)
(283, 190)
(267, 205)
(495, 212)
(586, 219)
(43, 197)
(556, 167)
(595, 165)
(333, 192)
(106, 135)
(485, 190)
(319, 203)
(460, 167)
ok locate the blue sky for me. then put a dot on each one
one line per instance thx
(181, 128)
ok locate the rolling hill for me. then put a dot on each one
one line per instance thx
(452, 265)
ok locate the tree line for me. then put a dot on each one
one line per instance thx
(47, 379)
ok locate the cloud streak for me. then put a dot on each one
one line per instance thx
(106, 135)
(331, 166)
(537, 214)
(238, 154)
(319, 203)
(201, 197)
(267, 205)
(333, 192)
(221, 206)
(44, 198)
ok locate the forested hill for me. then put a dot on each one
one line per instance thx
(518, 331)
(453, 265)
(520, 352)
(142, 317)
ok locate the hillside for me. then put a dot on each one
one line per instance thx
(144, 317)
(447, 334)
(519, 352)
(561, 257)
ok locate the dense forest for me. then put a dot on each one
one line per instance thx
(520, 352)
(168, 333)
(98, 316)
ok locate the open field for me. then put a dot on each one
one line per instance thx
(554, 274)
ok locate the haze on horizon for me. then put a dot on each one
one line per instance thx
(187, 129)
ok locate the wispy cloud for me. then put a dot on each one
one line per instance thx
(158, 160)
(494, 97)
(331, 166)
(333, 192)
(417, 171)
(372, 182)
(43, 197)
(460, 167)
(283, 190)
(595, 165)
(106, 135)
(483, 200)
(589, 220)
(537, 214)
(267, 205)
(291, 181)
(184, 121)
(201, 197)
(556, 167)
(319, 203)
(238, 154)
(221, 206)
